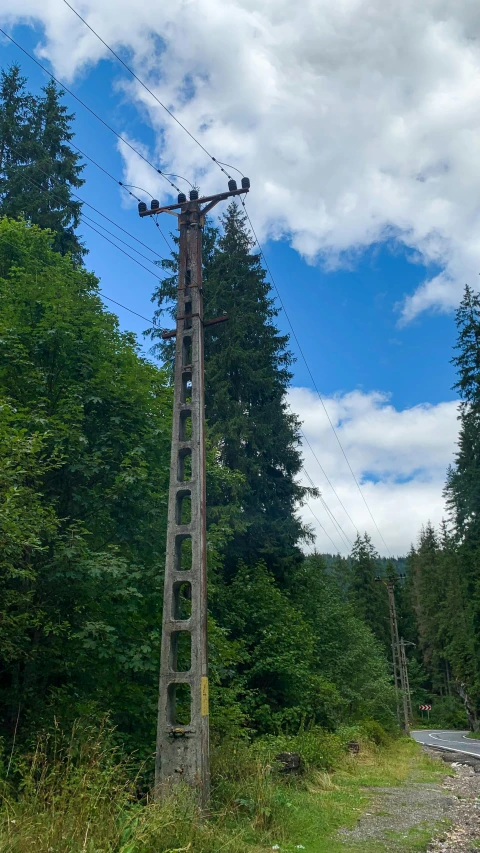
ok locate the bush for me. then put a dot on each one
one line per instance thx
(374, 732)
(448, 712)
(320, 750)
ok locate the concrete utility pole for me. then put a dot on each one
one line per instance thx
(183, 727)
(400, 674)
(406, 681)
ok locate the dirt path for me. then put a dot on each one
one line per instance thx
(412, 817)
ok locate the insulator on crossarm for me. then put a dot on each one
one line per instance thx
(232, 185)
(182, 198)
(154, 204)
(245, 183)
(142, 207)
(193, 195)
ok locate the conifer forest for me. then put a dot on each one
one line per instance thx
(299, 641)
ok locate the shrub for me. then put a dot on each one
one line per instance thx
(375, 732)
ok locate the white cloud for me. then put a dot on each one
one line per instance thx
(355, 119)
(399, 458)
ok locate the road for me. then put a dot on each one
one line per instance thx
(448, 740)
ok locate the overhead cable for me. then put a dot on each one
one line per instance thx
(93, 113)
(112, 222)
(220, 166)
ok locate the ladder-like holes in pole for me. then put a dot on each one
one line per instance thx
(186, 396)
(185, 426)
(184, 472)
(183, 552)
(184, 507)
(188, 320)
(182, 600)
(180, 651)
(187, 351)
(179, 706)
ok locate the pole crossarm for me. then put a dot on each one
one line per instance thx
(212, 199)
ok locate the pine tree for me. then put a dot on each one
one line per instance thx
(428, 583)
(247, 368)
(16, 111)
(463, 479)
(39, 168)
(367, 594)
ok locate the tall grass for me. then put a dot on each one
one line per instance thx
(78, 794)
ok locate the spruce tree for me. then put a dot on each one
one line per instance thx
(462, 492)
(463, 479)
(16, 111)
(39, 168)
(367, 594)
(247, 372)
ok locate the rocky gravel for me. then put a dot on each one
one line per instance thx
(464, 833)
(394, 812)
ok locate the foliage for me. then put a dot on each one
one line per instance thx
(444, 567)
(448, 712)
(84, 441)
(75, 792)
(39, 171)
(366, 593)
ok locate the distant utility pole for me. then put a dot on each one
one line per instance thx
(400, 674)
(406, 681)
(183, 730)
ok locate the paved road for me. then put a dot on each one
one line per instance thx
(448, 740)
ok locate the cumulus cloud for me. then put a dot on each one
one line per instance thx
(357, 120)
(399, 458)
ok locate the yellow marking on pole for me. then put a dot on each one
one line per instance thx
(204, 696)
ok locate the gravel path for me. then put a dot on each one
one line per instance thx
(398, 813)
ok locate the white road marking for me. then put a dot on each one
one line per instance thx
(435, 736)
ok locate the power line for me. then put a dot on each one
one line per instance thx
(38, 187)
(112, 222)
(120, 249)
(104, 296)
(322, 527)
(171, 114)
(84, 217)
(348, 542)
(126, 188)
(108, 126)
(159, 102)
(329, 481)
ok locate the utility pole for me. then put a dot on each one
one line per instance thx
(182, 752)
(406, 681)
(399, 671)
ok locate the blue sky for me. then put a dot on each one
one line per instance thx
(347, 320)
(368, 268)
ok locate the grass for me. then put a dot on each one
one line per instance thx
(314, 817)
(77, 795)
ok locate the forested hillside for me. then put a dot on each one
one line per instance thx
(85, 423)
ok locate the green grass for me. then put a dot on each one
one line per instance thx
(78, 796)
(315, 817)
